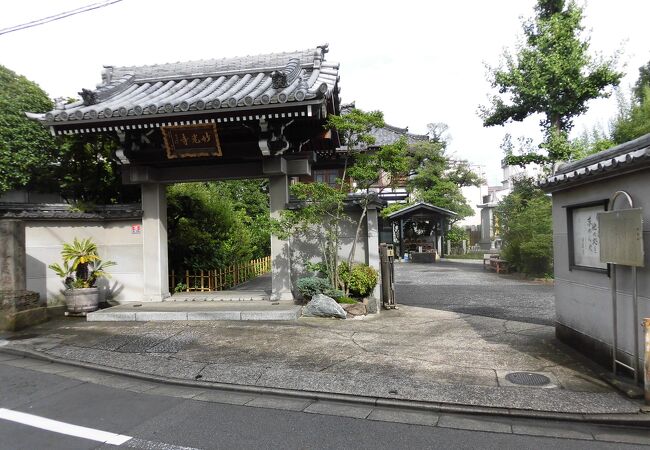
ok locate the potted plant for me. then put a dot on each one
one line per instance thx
(81, 269)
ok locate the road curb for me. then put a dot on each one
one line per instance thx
(639, 419)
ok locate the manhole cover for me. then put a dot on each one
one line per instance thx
(528, 379)
(21, 337)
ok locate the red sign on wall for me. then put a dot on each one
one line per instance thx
(135, 229)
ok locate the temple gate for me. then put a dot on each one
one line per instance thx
(252, 117)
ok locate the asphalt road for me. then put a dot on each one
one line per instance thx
(465, 287)
(167, 422)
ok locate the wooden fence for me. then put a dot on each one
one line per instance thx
(218, 279)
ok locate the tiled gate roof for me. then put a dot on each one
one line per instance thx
(164, 90)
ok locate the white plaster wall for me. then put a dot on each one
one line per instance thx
(115, 241)
(305, 248)
(583, 298)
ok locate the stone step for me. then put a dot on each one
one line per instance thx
(182, 311)
(221, 296)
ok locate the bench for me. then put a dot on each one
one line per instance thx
(487, 257)
(492, 261)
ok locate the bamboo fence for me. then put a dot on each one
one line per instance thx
(218, 279)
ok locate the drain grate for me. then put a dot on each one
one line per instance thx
(528, 379)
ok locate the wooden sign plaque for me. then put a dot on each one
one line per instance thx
(621, 237)
(191, 141)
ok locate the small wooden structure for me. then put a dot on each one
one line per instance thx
(421, 230)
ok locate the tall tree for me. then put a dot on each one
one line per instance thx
(633, 118)
(85, 172)
(437, 178)
(373, 172)
(321, 211)
(25, 146)
(216, 224)
(642, 83)
(525, 225)
(354, 128)
(551, 74)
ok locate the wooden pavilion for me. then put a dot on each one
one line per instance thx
(421, 230)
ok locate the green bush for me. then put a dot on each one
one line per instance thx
(526, 229)
(359, 280)
(347, 300)
(310, 286)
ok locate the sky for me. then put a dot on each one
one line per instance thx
(417, 61)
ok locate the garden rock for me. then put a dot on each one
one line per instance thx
(323, 306)
(355, 309)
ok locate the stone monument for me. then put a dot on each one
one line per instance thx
(19, 308)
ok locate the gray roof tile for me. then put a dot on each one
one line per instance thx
(219, 84)
(630, 156)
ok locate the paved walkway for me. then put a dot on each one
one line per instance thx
(417, 356)
(463, 286)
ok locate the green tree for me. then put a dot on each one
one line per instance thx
(551, 74)
(374, 171)
(525, 225)
(633, 120)
(354, 129)
(642, 83)
(437, 178)
(318, 217)
(250, 200)
(205, 230)
(85, 172)
(321, 210)
(25, 146)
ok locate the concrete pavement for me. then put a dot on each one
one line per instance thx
(416, 356)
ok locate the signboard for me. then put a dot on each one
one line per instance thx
(621, 237)
(135, 229)
(191, 141)
(585, 237)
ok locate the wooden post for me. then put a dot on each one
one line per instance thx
(187, 281)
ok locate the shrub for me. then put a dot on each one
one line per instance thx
(526, 228)
(359, 280)
(347, 300)
(310, 286)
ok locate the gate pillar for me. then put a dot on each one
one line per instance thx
(280, 260)
(154, 243)
(372, 221)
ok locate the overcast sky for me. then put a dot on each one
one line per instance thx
(417, 61)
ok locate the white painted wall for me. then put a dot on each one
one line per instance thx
(115, 241)
(583, 298)
(305, 248)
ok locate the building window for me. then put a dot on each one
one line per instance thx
(327, 176)
(582, 232)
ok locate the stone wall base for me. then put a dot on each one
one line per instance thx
(23, 319)
(594, 349)
(20, 309)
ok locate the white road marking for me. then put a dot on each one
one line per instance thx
(63, 427)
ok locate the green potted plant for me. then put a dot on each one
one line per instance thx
(81, 269)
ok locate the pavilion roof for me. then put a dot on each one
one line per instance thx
(162, 91)
(421, 207)
(389, 134)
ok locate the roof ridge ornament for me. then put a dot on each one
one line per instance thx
(284, 77)
(89, 97)
(325, 48)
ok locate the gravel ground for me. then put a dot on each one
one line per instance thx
(465, 287)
